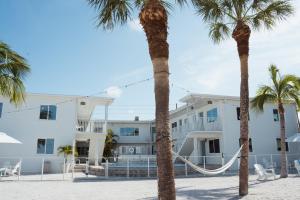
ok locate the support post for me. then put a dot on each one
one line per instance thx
(64, 169)
(196, 152)
(256, 159)
(204, 163)
(148, 166)
(106, 168)
(185, 167)
(105, 119)
(127, 167)
(20, 168)
(43, 162)
(97, 152)
(73, 157)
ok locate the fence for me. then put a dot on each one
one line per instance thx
(49, 168)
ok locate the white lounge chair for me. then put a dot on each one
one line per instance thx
(297, 166)
(11, 172)
(264, 174)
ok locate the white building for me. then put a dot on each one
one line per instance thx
(45, 122)
(135, 137)
(208, 125)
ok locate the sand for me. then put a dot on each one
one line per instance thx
(186, 188)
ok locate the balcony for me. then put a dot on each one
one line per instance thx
(92, 126)
(199, 124)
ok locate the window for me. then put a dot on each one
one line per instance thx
(174, 124)
(238, 114)
(278, 140)
(180, 122)
(129, 131)
(45, 146)
(212, 115)
(214, 146)
(1, 107)
(131, 150)
(200, 114)
(275, 115)
(250, 144)
(48, 112)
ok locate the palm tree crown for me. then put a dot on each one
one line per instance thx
(224, 15)
(283, 89)
(13, 69)
(114, 12)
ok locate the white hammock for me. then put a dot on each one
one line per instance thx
(213, 171)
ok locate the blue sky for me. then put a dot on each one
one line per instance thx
(69, 55)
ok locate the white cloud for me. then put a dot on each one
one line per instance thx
(135, 25)
(114, 92)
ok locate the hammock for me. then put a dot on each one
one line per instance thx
(213, 171)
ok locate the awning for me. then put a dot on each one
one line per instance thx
(294, 138)
(4, 138)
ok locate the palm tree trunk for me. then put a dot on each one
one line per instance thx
(283, 170)
(241, 34)
(153, 18)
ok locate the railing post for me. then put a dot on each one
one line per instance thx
(43, 161)
(127, 167)
(272, 161)
(185, 167)
(223, 161)
(204, 163)
(148, 166)
(255, 157)
(106, 168)
(64, 168)
(287, 163)
(20, 168)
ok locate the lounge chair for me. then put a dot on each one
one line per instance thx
(264, 174)
(297, 166)
(11, 172)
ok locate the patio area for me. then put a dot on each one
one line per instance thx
(187, 188)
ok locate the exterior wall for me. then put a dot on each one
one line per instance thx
(143, 140)
(263, 130)
(27, 127)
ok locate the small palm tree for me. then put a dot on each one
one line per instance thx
(283, 89)
(235, 17)
(13, 69)
(66, 150)
(154, 20)
(111, 142)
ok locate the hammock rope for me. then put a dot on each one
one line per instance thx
(213, 171)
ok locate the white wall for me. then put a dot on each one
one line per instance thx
(27, 127)
(262, 128)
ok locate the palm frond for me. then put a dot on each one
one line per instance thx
(268, 12)
(13, 70)
(112, 12)
(218, 31)
(210, 10)
(264, 94)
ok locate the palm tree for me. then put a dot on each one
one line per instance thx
(110, 143)
(154, 20)
(283, 89)
(13, 69)
(236, 17)
(66, 150)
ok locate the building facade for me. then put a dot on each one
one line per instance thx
(45, 122)
(209, 125)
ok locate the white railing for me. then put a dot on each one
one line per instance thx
(90, 126)
(199, 124)
(57, 168)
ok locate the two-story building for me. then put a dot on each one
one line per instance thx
(45, 122)
(209, 126)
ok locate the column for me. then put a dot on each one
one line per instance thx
(105, 119)
(96, 151)
(196, 150)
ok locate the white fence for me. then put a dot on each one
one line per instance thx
(44, 168)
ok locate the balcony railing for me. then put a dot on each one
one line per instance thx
(90, 126)
(199, 124)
